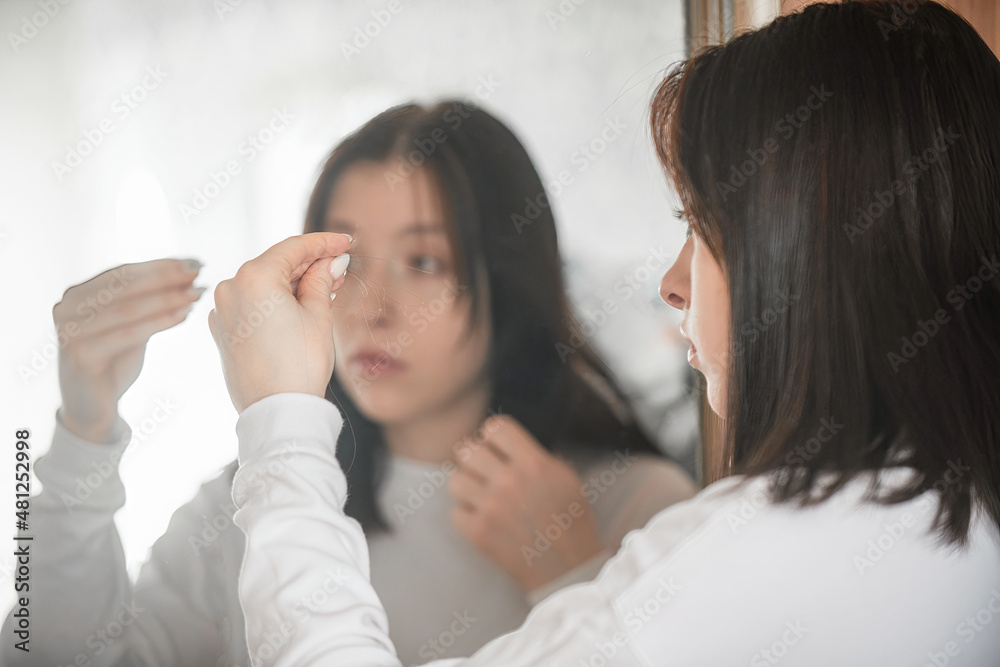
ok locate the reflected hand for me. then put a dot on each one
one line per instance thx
(103, 326)
(509, 491)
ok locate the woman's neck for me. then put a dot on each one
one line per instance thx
(432, 437)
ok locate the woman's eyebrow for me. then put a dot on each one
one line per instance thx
(338, 226)
(415, 229)
(419, 228)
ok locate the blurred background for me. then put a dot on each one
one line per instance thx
(122, 116)
(121, 119)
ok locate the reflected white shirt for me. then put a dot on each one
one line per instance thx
(467, 599)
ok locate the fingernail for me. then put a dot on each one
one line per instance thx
(333, 295)
(350, 238)
(192, 265)
(195, 292)
(338, 266)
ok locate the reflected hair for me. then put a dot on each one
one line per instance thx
(541, 370)
(849, 154)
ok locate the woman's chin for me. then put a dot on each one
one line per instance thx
(381, 406)
(716, 399)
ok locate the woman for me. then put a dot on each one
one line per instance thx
(861, 522)
(484, 471)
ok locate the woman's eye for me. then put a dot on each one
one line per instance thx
(426, 264)
(685, 220)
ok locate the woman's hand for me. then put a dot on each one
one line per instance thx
(522, 506)
(273, 322)
(103, 326)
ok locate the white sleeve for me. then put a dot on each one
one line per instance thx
(301, 546)
(80, 592)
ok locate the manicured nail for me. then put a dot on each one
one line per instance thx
(195, 292)
(333, 295)
(192, 265)
(350, 238)
(338, 266)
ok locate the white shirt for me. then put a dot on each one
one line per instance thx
(725, 578)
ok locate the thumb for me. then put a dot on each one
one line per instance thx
(318, 281)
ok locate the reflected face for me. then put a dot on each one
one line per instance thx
(697, 285)
(401, 320)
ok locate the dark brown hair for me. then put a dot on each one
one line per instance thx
(849, 154)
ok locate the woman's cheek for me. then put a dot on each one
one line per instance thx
(418, 322)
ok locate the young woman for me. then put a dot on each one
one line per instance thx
(861, 525)
(484, 471)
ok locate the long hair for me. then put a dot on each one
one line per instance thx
(849, 155)
(542, 371)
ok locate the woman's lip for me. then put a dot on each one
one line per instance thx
(374, 364)
(692, 353)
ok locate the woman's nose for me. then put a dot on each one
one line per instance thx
(675, 287)
(368, 291)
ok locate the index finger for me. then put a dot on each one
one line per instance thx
(507, 435)
(295, 254)
(129, 280)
